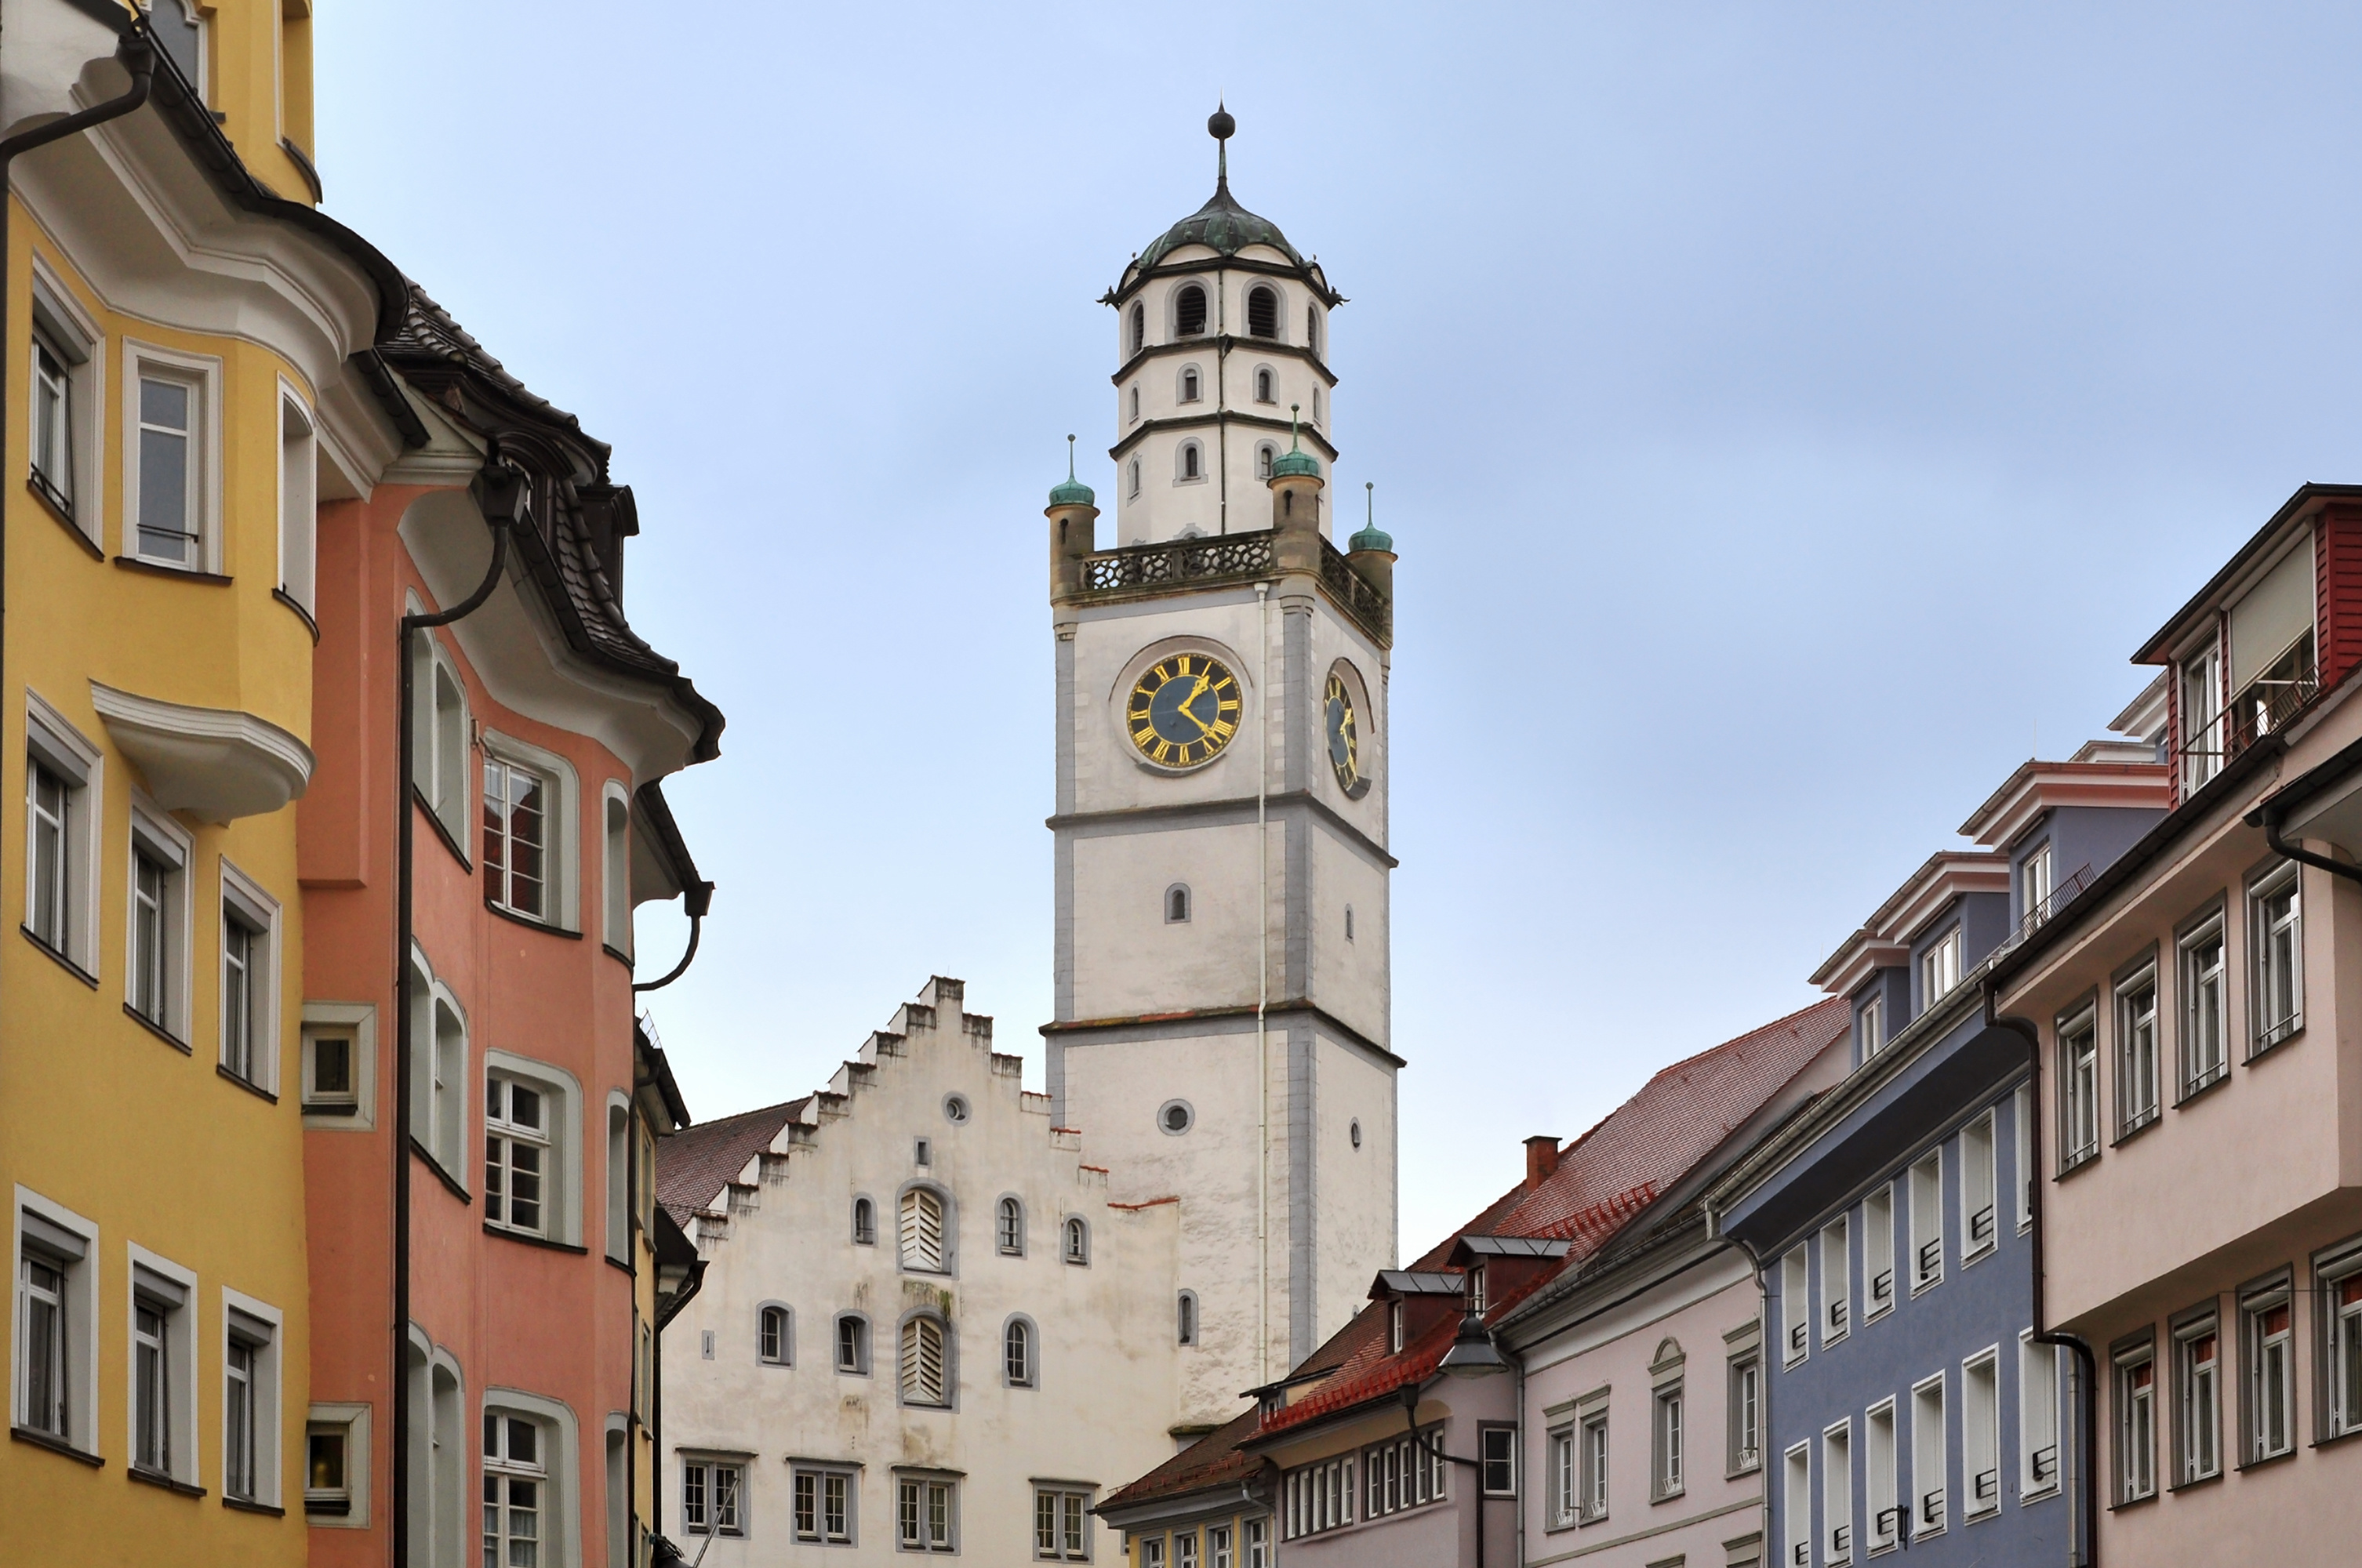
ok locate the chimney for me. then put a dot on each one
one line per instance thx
(1541, 1159)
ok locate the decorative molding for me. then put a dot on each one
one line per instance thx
(218, 763)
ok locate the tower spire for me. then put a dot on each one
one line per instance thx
(1221, 127)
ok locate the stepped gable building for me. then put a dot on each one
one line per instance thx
(1326, 1468)
(925, 1324)
(1221, 974)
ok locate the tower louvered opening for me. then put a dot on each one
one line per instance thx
(1189, 311)
(1262, 312)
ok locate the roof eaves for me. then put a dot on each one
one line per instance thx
(2158, 648)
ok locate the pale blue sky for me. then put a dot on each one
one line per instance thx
(1782, 415)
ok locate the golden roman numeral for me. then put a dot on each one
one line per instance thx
(1224, 729)
(1163, 752)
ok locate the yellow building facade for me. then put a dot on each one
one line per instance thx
(180, 399)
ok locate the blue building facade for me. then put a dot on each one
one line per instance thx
(1910, 1405)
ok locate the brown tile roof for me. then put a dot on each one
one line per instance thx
(1213, 1460)
(696, 1164)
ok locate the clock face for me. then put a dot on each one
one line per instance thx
(1183, 710)
(1344, 738)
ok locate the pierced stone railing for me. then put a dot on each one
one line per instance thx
(1177, 561)
(1366, 604)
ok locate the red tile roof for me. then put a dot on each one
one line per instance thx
(694, 1165)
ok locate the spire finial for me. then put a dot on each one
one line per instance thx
(1370, 488)
(1221, 127)
(1070, 459)
(1295, 438)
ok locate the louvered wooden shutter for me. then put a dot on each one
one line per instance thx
(922, 1232)
(922, 1361)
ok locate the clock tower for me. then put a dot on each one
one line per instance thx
(1222, 1031)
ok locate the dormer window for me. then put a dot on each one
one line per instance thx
(1476, 1289)
(2202, 719)
(2034, 888)
(1939, 968)
(1262, 312)
(1394, 1328)
(1189, 311)
(1869, 1024)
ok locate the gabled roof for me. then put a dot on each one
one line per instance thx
(1887, 934)
(698, 1163)
(2308, 499)
(2037, 787)
(1509, 1247)
(1394, 1282)
(1212, 1460)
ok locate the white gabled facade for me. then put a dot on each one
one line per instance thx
(778, 1230)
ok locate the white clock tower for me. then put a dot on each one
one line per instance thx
(1223, 1032)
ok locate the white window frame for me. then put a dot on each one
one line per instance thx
(440, 1098)
(1836, 1494)
(299, 497)
(1870, 1027)
(2203, 727)
(2274, 957)
(2140, 1038)
(2194, 1071)
(1668, 1440)
(2267, 1370)
(561, 1442)
(157, 1283)
(916, 1528)
(1925, 1180)
(1023, 1368)
(1743, 1402)
(1878, 1252)
(561, 826)
(561, 1094)
(2078, 1034)
(79, 767)
(1939, 969)
(1796, 1503)
(2035, 886)
(244, 900)
(810, 1499)
(2133, 1423)
(1564, 1486)
(615, 867)
(203, 374)
(73, 335)
(1592, 1475)
(443, 744)
(2198, 1397)
(244, 1317)
(2038, 1424)
(1062, 1524)
(1980, 1434)
(860, 1344)
(1837, 1280)
(722, 1512)
(1075, 1241)
(1882, 1504)
(1930, 1450)
(156, 837)
(54, 1230)
(1795, 1305)
(1009, 1225)
(356, 1023)
(345, 1507)
(1979, 1187)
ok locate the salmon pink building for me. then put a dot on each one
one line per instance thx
(484, 818)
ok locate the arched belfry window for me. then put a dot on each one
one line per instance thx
(1265, 455)
(1262, 312)
(1263, 387)
(1312, 327)
(1189, 311)
(1138, 327)
(1136, 403)
(1190, 384)
(1177, 904)
(1193, 461)
(1135, 476)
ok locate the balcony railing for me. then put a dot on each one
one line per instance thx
(1931, 1507)
(2266, 704)
(1176, 561)
(1799, 1337)
(1838, 1316)
(2061, 894)
(2045, 1464)
(1881, 1286)
(1988, 1485)
(1981, 1226)
(1888, 1524)
(1365, 604)
(1931, 1260)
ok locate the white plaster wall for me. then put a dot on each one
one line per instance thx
(1351, 979)
(1128, 958)
(1109, 774)
(1105, 1399)
(1356, 1188)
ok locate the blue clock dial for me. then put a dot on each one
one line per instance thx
(1183, 710)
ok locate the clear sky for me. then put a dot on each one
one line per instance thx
(1785, 418)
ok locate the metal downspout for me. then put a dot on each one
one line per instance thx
(492, 487)
(696, 899)
(2271, 822)
(1262, 990)
(2088, 1438)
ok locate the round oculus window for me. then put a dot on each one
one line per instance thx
(1175, 1116)
(954, 1108)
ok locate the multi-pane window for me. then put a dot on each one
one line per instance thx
(1565, 1494)
(1928, 1219)
(2198, 1415)
(242, 992)
(1980, 1435)
(823, 1506)
(852, 1345)
(2034, 888)
(1594, 1480)
(1319, 1497)
(1497, 1455)
(1939, 968)
(1665, 1442)
(440, 738)
(151, 918)
(53, 427)
(168, 508)
(2135, 1423)
(1220, 1551)
(41, 1358)
(2202, 719)
(1185, 1549)
(515, 1480)
(48, 879)
(2203, 1055)
(2078, 1092)
(1746, 1407)
(1878, 1250)
(1795, 1305)
(927, 1514)
(1017, 1353)
(1869, 1026)
(1980, 1178)
(1008, 1226)
(712, 1500)
(330, 1088)
(2270, 1345)
(1394, 1328)
(1837, 1280)
(1475, 1289)
(922, 1230)
(1407, 1473)
(1836, 1494)
(516, 1154)
(1062, 1526)
(151, 1389)
(2136, 1074)
(516, 827)
(1881, 1503)
(774, 1340)
(2038, 1417)
(1077, 1248)
(2276, 917)
(2341, 1332)
(922, 1373)
(1927, 1457)
(240, 1372)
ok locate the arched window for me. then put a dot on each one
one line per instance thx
(1078, 1240)
(1312, 327)
(1135, 402)
(1017, 1353)
(1009, 1228)
(1348, 922)
(864, 1222)
(1177, 904)
(1262, 312)
(1189, 311)
(853, 1344)
(1263, 387)
(1189, 392)
(1186, 1319)
(922, 1232)
(1135, 476)
(1265, 455)
(1138, 327)
(774, 1337)
(1192, 460)
(1315, 405)
(924, 1382)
